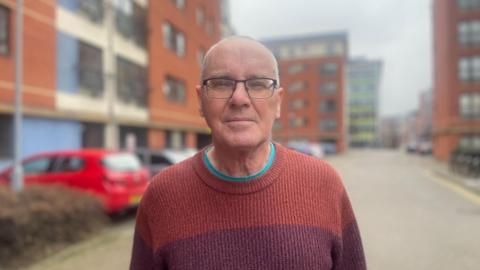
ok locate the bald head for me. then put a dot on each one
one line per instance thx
(235, 43)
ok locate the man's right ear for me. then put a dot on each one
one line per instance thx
(198, 89)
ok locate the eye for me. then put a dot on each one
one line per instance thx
(259, 84)
(220, 83)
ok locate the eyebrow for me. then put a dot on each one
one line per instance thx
(228, 76)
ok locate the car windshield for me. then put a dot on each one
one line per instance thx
(121, 162)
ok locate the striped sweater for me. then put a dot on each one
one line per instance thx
(294, 216)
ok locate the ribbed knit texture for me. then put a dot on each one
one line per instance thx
(295, 216)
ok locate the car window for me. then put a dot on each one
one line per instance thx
(157, 159)
(35, 166)
(68, 164)
(121, 162)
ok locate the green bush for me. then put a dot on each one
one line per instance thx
(41, 218)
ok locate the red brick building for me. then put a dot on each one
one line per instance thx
(96, 73)
(456, 95)
(312, 71)
(180, 34)
(39, 52)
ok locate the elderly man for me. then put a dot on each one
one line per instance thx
(245, 202)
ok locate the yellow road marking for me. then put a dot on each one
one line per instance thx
(457, 188)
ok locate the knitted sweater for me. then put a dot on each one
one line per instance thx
(295, 216)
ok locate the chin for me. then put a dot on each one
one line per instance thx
(244, 142)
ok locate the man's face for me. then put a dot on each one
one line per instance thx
(240, 121)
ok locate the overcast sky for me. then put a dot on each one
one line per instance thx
(396, 32)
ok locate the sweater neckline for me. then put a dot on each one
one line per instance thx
(226, 177)
(245, 187)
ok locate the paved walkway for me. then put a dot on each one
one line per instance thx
(110, 250)
(441, 169)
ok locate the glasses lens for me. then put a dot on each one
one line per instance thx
(260, 88)
(220, 88)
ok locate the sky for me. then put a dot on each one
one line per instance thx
(396, 32)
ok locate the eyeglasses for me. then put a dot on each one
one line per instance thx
(222, 88)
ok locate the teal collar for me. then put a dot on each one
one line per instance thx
(223, 176)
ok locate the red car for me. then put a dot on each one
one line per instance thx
(116, 177)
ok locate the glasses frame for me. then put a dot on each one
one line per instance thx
(272, 87)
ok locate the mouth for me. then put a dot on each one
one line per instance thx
(239, 119)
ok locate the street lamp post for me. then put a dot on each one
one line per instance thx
(112, 132)
(17, 180)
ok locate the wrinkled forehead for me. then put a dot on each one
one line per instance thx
(239, 57)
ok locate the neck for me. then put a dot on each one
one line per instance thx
(240, 163)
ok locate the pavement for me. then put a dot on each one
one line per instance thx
(108, 250)
(440, 169)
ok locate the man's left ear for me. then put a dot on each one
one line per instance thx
(279, 103)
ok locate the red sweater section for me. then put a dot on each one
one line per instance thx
(298, 211)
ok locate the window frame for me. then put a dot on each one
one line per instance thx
(90, 68)
(325, 125)
(469, 105)
(132, 82)
(175, 90)
(174, 39)
(325, 70)
(297, 86)
(329, 88)
(468, 69)
(5, 42)
(85, 7)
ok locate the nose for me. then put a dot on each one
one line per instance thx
(240, 95)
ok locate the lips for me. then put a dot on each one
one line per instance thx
(238, 119)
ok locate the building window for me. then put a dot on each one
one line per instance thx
(297, 104)
(131, 82)
(92, 9)
(90, 61)
(469, 68)
(130, 19)
(174, 39)
(297, 68)
(180, 4)
(4, 30)
(328, 88)
(200, 15)
(6, 137)
(328, 125)
(298, 122)
(174, 90)
(469, 33)
(297, 86)
(469, 105)
(327, 106)
(470, 142)
(329, 68)
(468, 4)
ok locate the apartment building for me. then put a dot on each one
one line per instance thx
(364, 77)
(312, 72)
(106, 73)
(456, 93)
